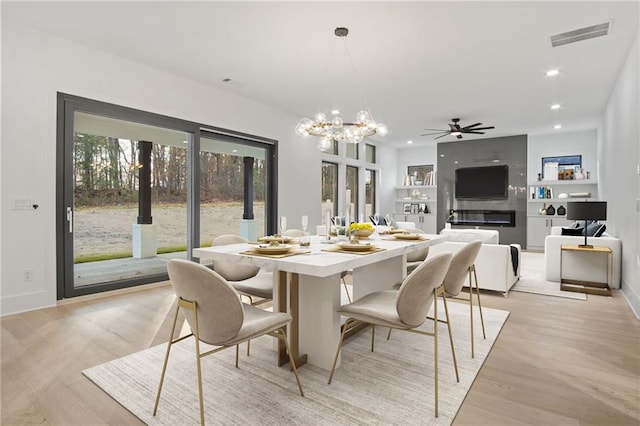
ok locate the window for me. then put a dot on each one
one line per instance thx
(370, 153)
(329, 201)
(351, 200)
(370, 192)
(352, 150)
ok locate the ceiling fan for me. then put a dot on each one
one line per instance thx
(457, 131)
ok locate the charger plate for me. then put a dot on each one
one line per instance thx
(409, 237)
(267, 249)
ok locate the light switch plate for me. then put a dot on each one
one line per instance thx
(22, 204)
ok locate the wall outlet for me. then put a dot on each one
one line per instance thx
(27, 275)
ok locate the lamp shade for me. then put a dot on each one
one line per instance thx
(587, 210)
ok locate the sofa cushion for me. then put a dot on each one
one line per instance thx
(572, 231)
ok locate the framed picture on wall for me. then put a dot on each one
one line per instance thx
(419, 174)
(407, 208)
(568, 165)
(415, 208)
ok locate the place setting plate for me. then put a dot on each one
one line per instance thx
(271, 238)
(357, 247)
(409, 236)
(269, 249)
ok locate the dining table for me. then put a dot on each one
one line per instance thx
(307, 284)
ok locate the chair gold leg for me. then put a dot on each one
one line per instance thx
(166, 359)
(475, 275)
(237, 350)
(389, 334)
(282, 335)
(453, 350)
(335, 359)
(373, 335)
(473, 353)
(435, 349)
(197, 338)
(248, 347)
(346, 289)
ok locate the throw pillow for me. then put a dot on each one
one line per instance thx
(592, 228)
(600, 230)
(572, 231)
(576, 225)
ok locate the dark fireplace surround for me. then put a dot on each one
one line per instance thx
(507, 216)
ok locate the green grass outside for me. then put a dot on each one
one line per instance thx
(127, 254)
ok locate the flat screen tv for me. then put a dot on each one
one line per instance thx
(482, 183)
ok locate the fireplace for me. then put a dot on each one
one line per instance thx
(499, 218)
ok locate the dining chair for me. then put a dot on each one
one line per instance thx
(248, 280)
(405, 309)
(216, 315)
(416, 257)
(462, 266)
(293, 233)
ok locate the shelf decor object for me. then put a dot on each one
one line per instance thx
(586, 210)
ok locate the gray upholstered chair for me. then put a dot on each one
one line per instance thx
(293, 233)
(405, 309)
(248, 280)
(217, 317)
(415, 258)
(462, 265)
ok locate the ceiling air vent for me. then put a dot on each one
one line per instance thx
(580, 34)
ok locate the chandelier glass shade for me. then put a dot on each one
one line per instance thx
(335, 129)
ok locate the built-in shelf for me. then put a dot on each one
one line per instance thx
(413, 200)
(563, 182)
(560, 200)
(417, 187)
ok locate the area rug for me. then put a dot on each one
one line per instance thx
(393, 385)
(532, 279)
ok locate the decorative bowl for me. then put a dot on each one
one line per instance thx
(362, 233)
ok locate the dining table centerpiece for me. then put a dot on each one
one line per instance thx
(361, 230)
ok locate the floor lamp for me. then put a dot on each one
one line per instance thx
(586, 210)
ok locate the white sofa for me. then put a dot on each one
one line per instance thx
(581, 266)
(493, 265)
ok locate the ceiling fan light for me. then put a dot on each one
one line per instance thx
(456, 133)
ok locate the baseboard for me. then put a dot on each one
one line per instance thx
(633, 300)
(26, 302)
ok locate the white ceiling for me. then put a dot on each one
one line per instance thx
(419, 63)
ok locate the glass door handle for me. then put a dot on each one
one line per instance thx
(70, 219)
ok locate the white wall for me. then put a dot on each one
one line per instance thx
(415, 157)
(619, 154)
(35, 66)
(556, 144)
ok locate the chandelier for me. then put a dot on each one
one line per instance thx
(336, 129)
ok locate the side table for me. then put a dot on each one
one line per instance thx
(590, 287)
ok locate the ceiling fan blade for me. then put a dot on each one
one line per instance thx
(437, 130)
(474, 133)
(446, 134)
(473, 125)
(435, 133)
(483, 128)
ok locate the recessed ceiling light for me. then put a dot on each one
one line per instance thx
(496, 160)
(335, 111)
(551, 73)
(558, 126)
(234, 150)
(455, 162)
(409, 142)
(555, 106)
(441, 155)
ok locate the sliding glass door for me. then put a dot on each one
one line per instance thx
(127, 197)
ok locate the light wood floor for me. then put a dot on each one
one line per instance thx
(556, 361)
